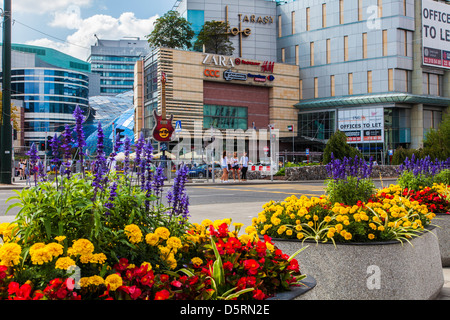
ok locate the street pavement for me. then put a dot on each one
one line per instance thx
(218, 206)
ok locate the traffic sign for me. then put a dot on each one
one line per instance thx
(178, 126)
(307, 151)
(266, 149)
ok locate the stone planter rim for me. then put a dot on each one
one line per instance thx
(308, 284)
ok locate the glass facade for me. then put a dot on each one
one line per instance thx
(150, 89)
(225, 117)
(397, 127)
(49, 98)
(317, 125)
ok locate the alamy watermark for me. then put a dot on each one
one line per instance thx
(374, 279)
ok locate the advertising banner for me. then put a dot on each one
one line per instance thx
(362, 125)
(436, 34)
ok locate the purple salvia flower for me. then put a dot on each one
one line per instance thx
(67, 148)
(139, 149)
(41, 172)
(158, 181)
(112, 195)
(100, 160)
(34, 158)
(177, 196)
(80, 141)
(54, 144)
(127, 149)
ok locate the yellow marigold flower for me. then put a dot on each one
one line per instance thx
(152, 239)
(148, 264)
(281, 229)
(270, 246)
(96, 280)
(250, 229)
(300, 235)
(207, 223)
(64, 263)
(82, 247)
(275, 220)
(174, 242)
(55, 249)
(339, 227)
(196, 261)
(36, 246)
(371, 236)
(41, 256)
(10, 254)
(162, 232)
(133, 233)
(289, 232)
(60, 238)
(114, 281)
(380, 228)
(327, 219)
(348, 236)
(310, 223)
(99, 258)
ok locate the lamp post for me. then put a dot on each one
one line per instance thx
(6, 128)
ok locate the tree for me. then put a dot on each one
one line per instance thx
(337, 144)
(214, 37)
(171, 31)
(437, 142)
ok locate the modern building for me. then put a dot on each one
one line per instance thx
(377, 70)
(113, 61)
(49, 85)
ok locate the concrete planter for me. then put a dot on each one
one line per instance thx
(375, 271)
(442, 220)
(297, 293)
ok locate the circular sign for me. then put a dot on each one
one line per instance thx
(237, 61)
(266, 149)
(163, 133)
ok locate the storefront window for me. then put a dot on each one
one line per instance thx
(225, 117)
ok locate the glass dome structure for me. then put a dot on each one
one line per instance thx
(113, 112)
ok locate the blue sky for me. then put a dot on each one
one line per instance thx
(70, 25)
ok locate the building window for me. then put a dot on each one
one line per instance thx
(297, 61)
(364, 45)
(307, 18)
(360, 10)
(300, 87)
(316, 87)
(369, 81)
(293, 22)
(317, 125)
(390, 79)
(324, 15)
(345, 48)
(404, 7)
(328, 50)
(332, 85)
(225, 117)
(384, 45)
(350, 83)
(283, 55)
(341, 11)
(311, 54)
(279, 27)
(380, 8)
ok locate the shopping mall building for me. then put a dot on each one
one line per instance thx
(376, 69)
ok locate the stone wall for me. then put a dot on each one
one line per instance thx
(320, 172)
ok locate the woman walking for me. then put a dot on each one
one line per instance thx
(235, 166)
(224, 165)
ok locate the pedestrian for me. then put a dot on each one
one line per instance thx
(234, 161)
(244, 167)
(224, 165)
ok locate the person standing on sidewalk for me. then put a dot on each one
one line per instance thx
(235, 166)
(244, 167)
(224, 165)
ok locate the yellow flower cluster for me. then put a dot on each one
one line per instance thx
(84, 250)
(41, 253)
(10, 254)
(8, 231)
(133, 233)
(315, 218)
(114, 281)
(91, 281)
(442, 189)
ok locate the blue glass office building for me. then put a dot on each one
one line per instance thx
(50, 84)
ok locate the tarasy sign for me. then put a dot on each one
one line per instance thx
(436, 34)
(362, 125)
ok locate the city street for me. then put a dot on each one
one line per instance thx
(238, 201)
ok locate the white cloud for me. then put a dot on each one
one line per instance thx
(104, 26)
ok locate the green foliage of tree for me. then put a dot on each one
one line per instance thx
(171, 31)
(337, 144)
(437, 142)
(401, 154)
(213, 36)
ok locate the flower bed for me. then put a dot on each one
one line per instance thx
(100, 236)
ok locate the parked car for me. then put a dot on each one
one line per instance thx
(200, 171)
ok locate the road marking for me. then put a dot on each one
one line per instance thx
(264, 191)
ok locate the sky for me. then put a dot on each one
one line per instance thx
(70, 25)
